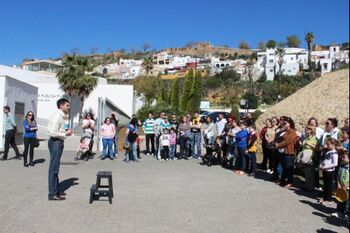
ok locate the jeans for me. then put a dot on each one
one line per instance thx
(56, 149)
(28, 144)
(10, 140)
(327, 185)
(150, 139)
(276, 161)
(196, 140)
(172, 151)
(183, 141)
(115, 143)
(251, 159)
(107, 142)
(241, 158)
(287, 168)
(132, 149)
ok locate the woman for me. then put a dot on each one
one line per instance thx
(319, 132)
(131, 136)
(29, 137)
(270, 136)
(184, 136)
(210, 134)
(115, 122)
(107, 134)
(88, 127)
(288, 149)
(307, 157)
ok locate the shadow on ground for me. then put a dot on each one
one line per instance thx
(66, 184)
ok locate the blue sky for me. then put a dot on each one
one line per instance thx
(44, 29)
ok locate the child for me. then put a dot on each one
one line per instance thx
(343, 183)
(329, 162)
(164, 142)
(241, 140)
(83, 147)
(251, 150)
(172, 141)
(345, 139)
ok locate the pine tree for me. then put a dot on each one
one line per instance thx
(174, 99)
(195, 94)
(186, 91)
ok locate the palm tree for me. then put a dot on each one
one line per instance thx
(250, 67)
(147, 64)
(76, 77)
(280, 52)
(309, 40)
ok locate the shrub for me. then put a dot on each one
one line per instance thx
(213, 82)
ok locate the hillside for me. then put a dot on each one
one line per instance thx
(327, 96)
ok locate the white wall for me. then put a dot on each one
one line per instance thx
(13, 91)
(49, 93)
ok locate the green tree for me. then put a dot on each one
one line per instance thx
(309, 40)
(174, 99)
(76, 77)
(195, 94)
(293, 41)
(253, 100)
(147, 87)
(186, 91)
(147, 64)
(271, 44)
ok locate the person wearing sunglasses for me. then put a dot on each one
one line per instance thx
(29, 137)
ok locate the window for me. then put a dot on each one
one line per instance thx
(271, 70)
(271, 60)
(292, 58)
(334, 49)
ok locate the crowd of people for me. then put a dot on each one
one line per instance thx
(231, 142)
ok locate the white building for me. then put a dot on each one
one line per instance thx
(21, 97)
(122, 96)
(124, 69)
(325, 59)
(293, 60)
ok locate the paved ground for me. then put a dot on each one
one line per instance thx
(153, 196)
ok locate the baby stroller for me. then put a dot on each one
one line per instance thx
(213, 155)
(84, 151)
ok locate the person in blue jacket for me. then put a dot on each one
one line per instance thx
(30, 128)
(242, 142)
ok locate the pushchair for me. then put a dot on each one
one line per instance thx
(85, 145)
(213, 152)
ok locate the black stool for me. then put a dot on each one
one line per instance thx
(97, 190)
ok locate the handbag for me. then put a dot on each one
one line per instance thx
(126, 145)
(36, 143)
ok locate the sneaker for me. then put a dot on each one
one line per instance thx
(148, 154)
(268, 171)
(158, 157)
(338, 215)
(191, 157)
(152, 154)
(166, 159)
(319, 188)
(162, 160)
(174, 158)
(199, 158)
(103, 158)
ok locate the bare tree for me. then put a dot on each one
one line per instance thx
(75, 50)
(93, 50)
(146, 46)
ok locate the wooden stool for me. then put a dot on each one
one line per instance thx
(97, 190)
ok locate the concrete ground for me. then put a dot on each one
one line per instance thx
(153, 196)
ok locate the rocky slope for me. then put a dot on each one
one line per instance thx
(328, 96)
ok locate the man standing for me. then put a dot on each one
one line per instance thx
(58, 131)
(10, 128)
(196, 126)
(148, 128)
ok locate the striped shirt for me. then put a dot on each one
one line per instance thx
(148, 126)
